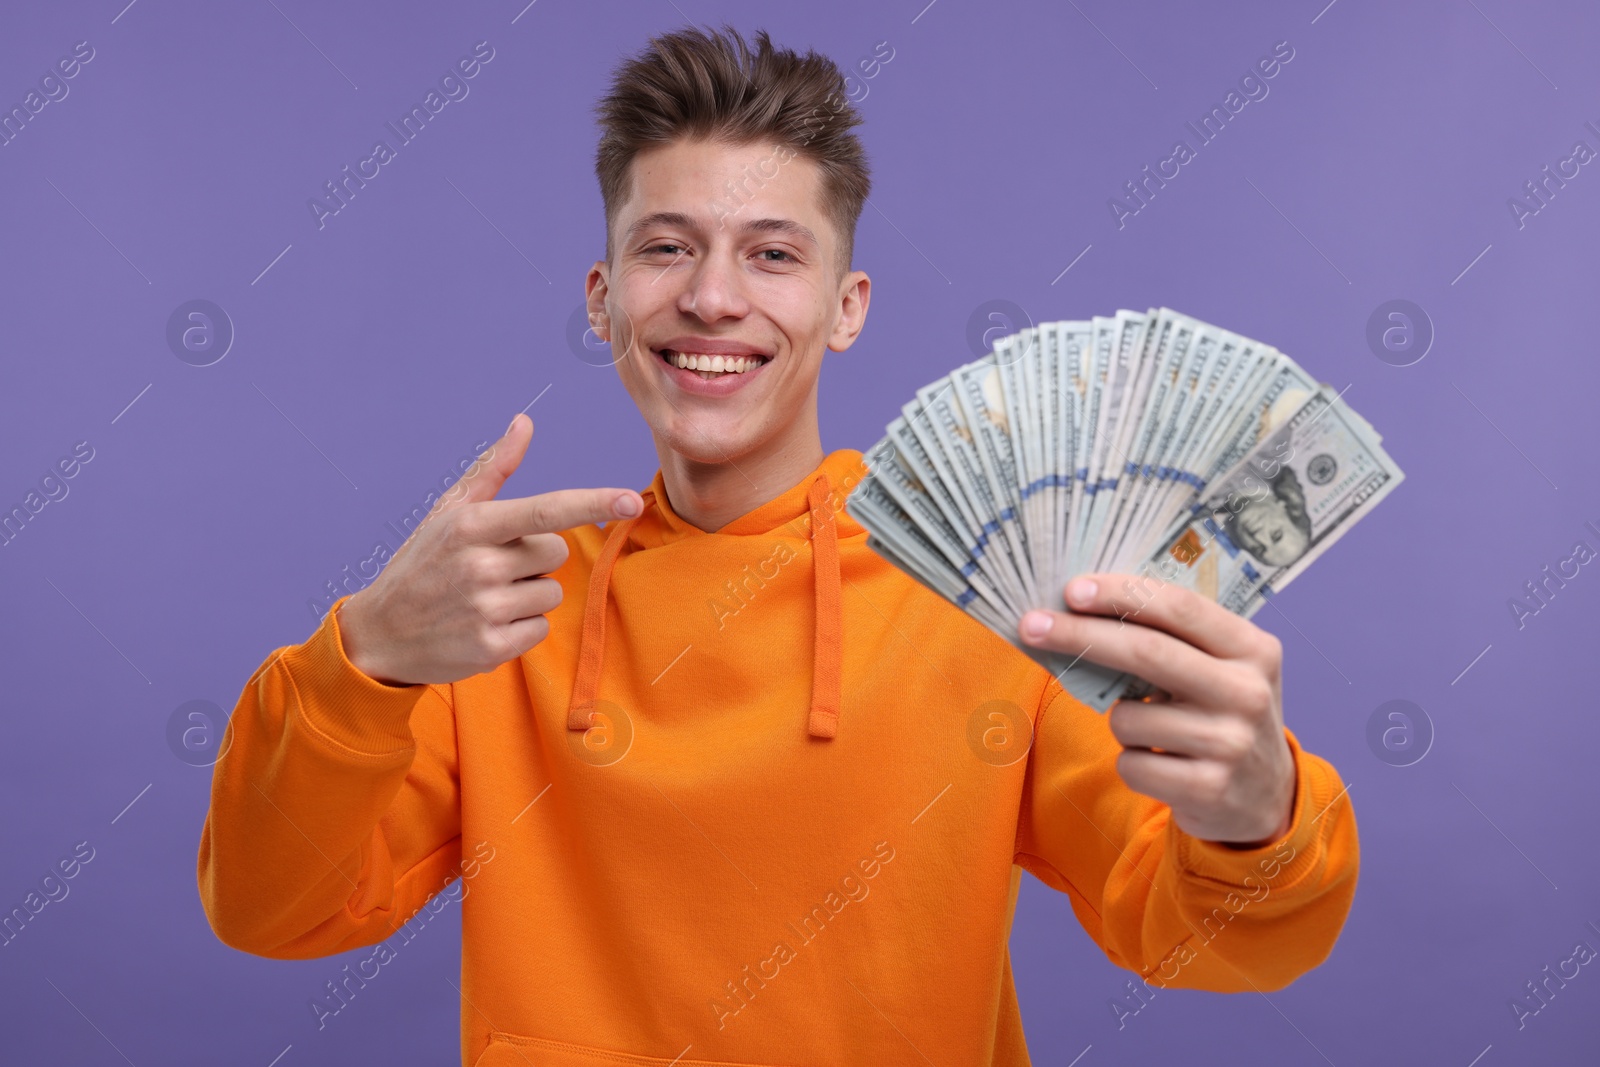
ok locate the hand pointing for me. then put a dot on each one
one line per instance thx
(469, 590)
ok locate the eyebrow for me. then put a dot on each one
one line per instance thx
(787, 227)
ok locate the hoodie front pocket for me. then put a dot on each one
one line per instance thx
(515, 1050)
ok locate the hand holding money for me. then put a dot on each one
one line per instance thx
(1143, 442)
(1210, 744)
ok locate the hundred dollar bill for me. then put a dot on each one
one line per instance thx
(1016, 360)
(872, 506)
(922, 454)
(1077, 368)
(1267, 519)
(1132, 379)
(1114, 485)
(948, 436)
(1166, 346)
(980, 397)
(1091, 439)
(1298, 491)
(1176, 476)
(1145, 442)
(901, 479)
(1287, 389)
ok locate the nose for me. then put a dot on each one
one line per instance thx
(715, 290)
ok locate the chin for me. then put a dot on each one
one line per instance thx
(700, 442)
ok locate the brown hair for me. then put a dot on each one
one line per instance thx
(698, 85)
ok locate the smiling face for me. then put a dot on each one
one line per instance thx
(724, 259)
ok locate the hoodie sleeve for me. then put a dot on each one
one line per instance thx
(1177, 910)
(335, 808)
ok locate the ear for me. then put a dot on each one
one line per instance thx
(595, 288)
(855, 293)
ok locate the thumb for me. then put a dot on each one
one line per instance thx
(496, 464)
(484, 478)
(490, 470)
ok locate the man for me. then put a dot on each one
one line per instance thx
(1275, 529)
(719, 784)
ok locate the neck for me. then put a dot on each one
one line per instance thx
(708, 496)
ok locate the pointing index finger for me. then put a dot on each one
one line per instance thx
(500, 521)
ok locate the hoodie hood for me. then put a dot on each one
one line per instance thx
(812, 509)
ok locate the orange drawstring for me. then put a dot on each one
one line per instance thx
(826, 653)
(591, 642)
(823, 720)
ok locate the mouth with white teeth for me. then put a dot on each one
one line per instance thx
(711, 367)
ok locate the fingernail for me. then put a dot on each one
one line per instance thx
(513, 425)
(1036, 624)
(626, 506)
(1081, 591)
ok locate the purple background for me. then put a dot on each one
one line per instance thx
(379, 350)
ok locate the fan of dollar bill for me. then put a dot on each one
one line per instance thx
(1145, 442)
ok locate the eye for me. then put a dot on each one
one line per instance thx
(776, 252)
(666, 246)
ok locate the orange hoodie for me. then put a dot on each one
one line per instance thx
(759, 798)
